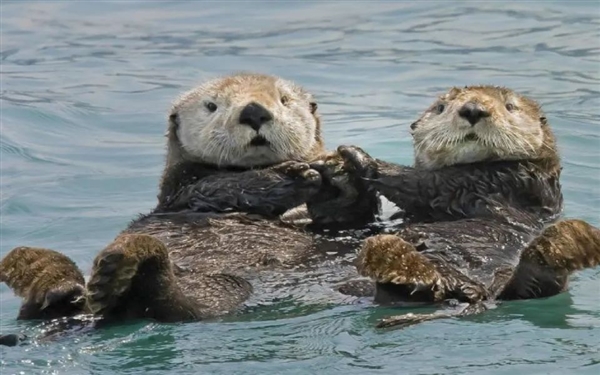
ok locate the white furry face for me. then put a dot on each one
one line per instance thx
(211, 126)
(477, 123)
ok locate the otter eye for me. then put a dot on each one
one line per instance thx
(440, 108)
(313, 107)
(510, 107)
(211, 106)
(284, 100)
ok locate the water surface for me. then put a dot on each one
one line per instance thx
(85, 91)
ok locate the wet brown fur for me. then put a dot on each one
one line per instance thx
(214, 228)
(493, 98)
(49, 282)
(474, 231)
(548, 261)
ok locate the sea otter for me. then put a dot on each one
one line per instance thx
(480, 208)
(238, 154)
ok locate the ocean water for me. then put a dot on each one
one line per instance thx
(86, 86)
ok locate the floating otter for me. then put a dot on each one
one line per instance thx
(238, 156)
(476, 206)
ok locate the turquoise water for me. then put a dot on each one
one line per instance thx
(85, 91)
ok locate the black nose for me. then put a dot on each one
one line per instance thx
(473, 112)
(255, 115)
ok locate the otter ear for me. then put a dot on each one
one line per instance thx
(313, 107)
(173, 124)
(453, 92)
(174, 120)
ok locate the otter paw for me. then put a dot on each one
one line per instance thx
(344, 197)
(338, 188)
(330, 165)
(334, 173)
(390, 259)
(299, 171)
(358, 160)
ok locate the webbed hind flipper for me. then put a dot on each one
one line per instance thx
(49, 282)
(548, 261)
(478, 307)
(390, 260)
(406, 320)
(133, 278)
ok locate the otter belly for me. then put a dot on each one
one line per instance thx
(231, 243)
(474, 250)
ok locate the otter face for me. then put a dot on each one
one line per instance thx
(478, 123)
(246, 120)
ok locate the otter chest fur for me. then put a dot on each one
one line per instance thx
(481, 208)
(240, 153)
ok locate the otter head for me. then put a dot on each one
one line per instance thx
(481, 123)
(244, 120)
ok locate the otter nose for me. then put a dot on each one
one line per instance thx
(255, 115)
(473, 112)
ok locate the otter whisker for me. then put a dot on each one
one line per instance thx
(518, 143)
(444, 232)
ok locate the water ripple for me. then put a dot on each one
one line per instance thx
(85, 91)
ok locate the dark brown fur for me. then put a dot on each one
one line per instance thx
(49, 282)
(548, 261)
(213, 230)
(474, 232)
